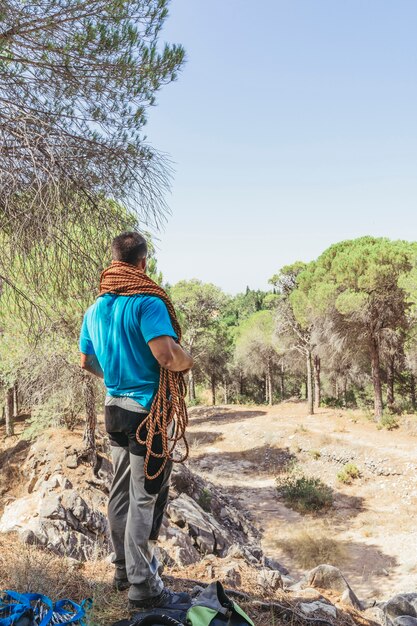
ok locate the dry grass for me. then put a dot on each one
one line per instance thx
(310, 548)
(27, 568)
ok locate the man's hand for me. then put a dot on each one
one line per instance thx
(90, 363)
(170, 355)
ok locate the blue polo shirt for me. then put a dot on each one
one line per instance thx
(117, 330)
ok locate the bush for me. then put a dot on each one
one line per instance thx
(204, 500)
(310, 549)
(349, 473)
(388, 421)
(316, 454)
(332, 403)
(305, 494)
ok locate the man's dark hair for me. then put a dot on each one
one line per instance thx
(129, 247)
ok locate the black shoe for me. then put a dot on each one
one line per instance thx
(120, 584)
(165, 600)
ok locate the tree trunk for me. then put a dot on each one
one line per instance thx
(310, 398)
(266, 388)
(15, 400)
(213, 389)
(241, 389)
(226, 395)
(191, 386)
(376, 379)
(345, 402)
(89, 438)
(413, 391)
(390, 382)
(9, 412)
(282, 382)
(336, 388)
(317, 383)
(269, 383)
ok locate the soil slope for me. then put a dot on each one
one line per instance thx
(242, 450)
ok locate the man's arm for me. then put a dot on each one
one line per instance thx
(170, 355)
(90, 363)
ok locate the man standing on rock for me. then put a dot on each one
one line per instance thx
(130, 337)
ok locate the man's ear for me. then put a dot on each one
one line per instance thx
(143, 264)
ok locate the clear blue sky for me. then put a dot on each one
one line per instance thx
(292, 126)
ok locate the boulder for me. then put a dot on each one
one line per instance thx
(329, 577)
(207, 534)
(401, 610)
(61, 522)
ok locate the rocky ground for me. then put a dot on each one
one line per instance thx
(225, 519)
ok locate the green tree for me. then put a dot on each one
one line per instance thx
(296, 331)
(199, 306)
(361, 280)
(39, 335)
(258, 349)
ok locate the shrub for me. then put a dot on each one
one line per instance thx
(332, 403)
(316, 454)
(305, 494)
(349, 473)
(388, 421)
(204, 500)
(310, 549)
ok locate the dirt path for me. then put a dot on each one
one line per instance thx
(373, 520)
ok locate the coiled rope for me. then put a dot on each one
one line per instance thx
(168, 407)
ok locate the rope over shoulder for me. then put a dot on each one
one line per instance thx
(169, 404)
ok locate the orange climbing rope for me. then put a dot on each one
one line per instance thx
(168, 406)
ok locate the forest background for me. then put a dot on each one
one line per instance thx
(76, 84)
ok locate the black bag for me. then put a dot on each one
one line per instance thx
(211, 607)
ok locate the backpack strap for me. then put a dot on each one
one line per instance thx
(164, 620)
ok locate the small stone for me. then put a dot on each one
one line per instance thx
(236, 551)
(71, 461)
(311, 608)
(275, 565)
(32, 482)
(269, 580)
(232, 577)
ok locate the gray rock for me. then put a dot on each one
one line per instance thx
(236, 551)
(318, 607)
(208, 535)
(275, 565)
(51, 508)
(63, 523)
(27, 536)
(405, 620)
(402, 606)
(71, 461)
(232, 577)
(329, 577)
(179, 546)
(269, 580)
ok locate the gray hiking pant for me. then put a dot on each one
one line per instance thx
(135, 518)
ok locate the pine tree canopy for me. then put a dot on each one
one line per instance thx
(76, 80)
